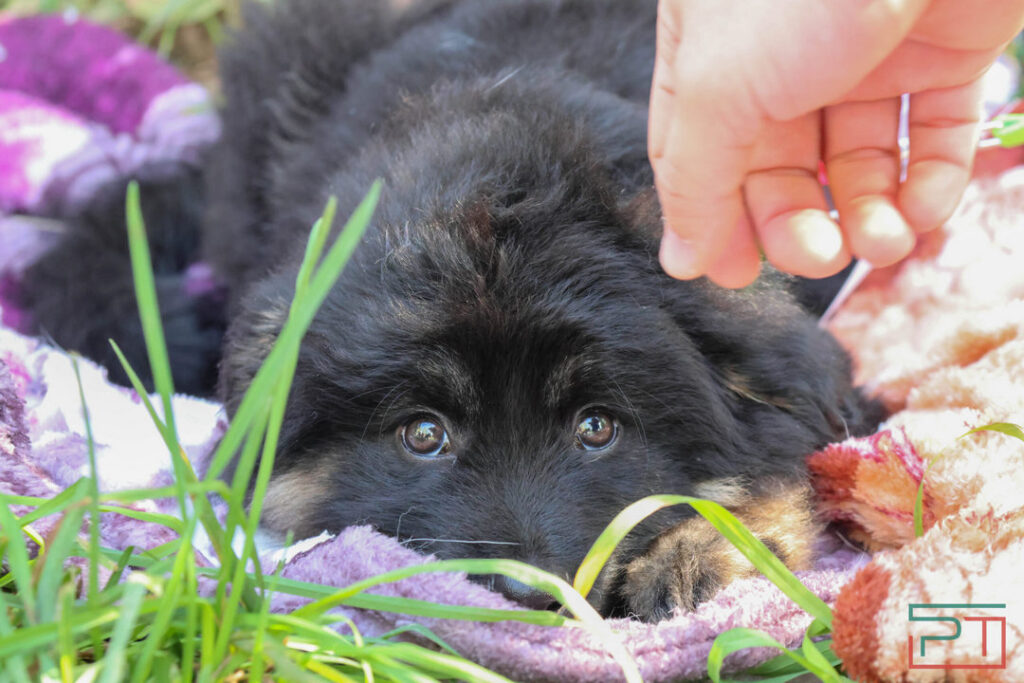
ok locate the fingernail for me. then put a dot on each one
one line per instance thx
(818, 235)
(882, 221)
(884, 235)
(678, 256)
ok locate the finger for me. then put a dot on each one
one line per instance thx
(697, 227)
(740, 263)
(862, 158)
(805, 242)
(698, 178)
(952, 42)
(943, 128)
(698, 141)
(662, 88)
(916, 67)
(818, 50)
(786, 202)
(960, 25)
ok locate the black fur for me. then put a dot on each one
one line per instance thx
(81, 293)
(509, 281)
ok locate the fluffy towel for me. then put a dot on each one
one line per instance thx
(941, 339)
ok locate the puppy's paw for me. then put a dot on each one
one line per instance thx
(685, 567)
(691, 562)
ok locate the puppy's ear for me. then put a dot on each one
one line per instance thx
(257, 321)
(772, 357)
(765, 349)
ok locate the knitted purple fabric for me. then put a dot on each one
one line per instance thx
(81, 104)
(85, 68)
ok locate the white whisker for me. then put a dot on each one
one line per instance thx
(453, 540)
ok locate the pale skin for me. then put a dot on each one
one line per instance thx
(750, 95)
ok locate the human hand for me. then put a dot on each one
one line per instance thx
(750, 95)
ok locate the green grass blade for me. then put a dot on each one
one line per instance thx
(234, 583)
(17, 560)
(413, 607)
(44, 635)
(119, 566)
(549, 583)
(296, 629)
(207, 641)
(784, 665)
(52, 574)
(92, 549)
(1008, 428)
(276, 374)
(188, 638)
(170, 602)
(818, 628)
(149, 310)
(391, 670)
(14, 667)
(48, 506)
(169, 521)
(43, 506)
(444, 665)
(726, 523)
(424, 633)
(115, 662)
(817, 659)
(256, 668)
(532, 576)
(287, 669)
(801, 676)
(156, 349)
(919, 508)
(737, 639)
(321, 283)
(68, 654)
(315, 248)
(93, 585)
(140, 391)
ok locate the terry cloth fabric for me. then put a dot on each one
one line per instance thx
(941, 338)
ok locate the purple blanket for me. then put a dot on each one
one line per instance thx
(80, 104)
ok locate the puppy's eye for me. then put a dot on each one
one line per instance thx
(596, 430)
(425, 437)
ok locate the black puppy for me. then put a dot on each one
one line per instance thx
(502, 366)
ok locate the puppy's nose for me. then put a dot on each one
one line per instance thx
(527, 596)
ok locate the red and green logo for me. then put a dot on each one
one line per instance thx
(974, 625)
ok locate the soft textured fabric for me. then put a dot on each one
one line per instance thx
(941, 338)
(80, 105)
